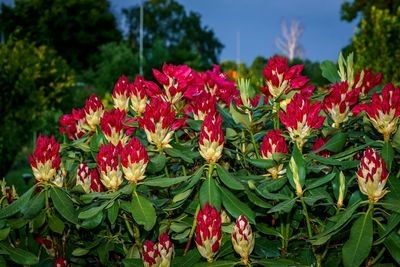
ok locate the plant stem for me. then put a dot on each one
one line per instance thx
(309, 230)
(128, 225)
(378, 257)
(194, 224)
(253, 140)
(277, 121)
(210, 170)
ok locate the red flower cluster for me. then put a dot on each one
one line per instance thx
(208, 232)
(45, 159)
(301, 117)
(211, 140)
(94, 109)
(88, 179)
(281, 79)
(121, 94)
(202, 105)
(372, 175)
(108, 166)
(112, 125)
(159, 254)
(383, 111)
(369, 81)
(274, 142)
(139, 90)
(134, 160)
(73, 124)
(340, 100)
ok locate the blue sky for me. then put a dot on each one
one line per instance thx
(258, 23)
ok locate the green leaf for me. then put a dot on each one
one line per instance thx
(17, 205)
(217, 264)
(55, 224)
(393, 221)
(112, 212)
(4, 233)
(239, 117)
(388, 154)
(164, 181)
(182, 196)
(93, 221)
(235, 207)
(228, 179)
(35, 206)
(265, 229)
(297, 170)
(195, 124)
(89, 213)
(357, 248)
(210, 193)
(273, 185)
(262, 163)
(321, 181)
(277, 263)
(192, 257)
(284, 206)
(394, 187)
(133, 262)
(256, 200)
(20, 256)
(335, 144)
(78, 252)
(392, 243)
(157, 163)
(63, 204)
(329, 71)
(392, 205)
(178, 154)
(143, 212)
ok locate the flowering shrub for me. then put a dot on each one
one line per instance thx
(195, 171)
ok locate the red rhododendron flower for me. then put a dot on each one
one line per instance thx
(280, 78)
(211, 140)
(88, 179)
(217, 84)
(94, 110)
(108, 166)
(121, 93)
(134, 160)
(202, 105)
(243, 239)
(338, 103)
(208, 232)
(60, 262)
(274, 142)
(140, 90)
(151, 255)
(301, 118)
(159, 123)
(372, 175)
(45, 159)
(383, 111)
(166, 249)
(72, 124)
(112, 125)
(369, 81)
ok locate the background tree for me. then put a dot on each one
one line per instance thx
(377, 43)
(34, 83)
(75, 28)
(168, 27)
(289, 42)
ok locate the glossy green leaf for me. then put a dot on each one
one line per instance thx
(236, 207)
(284, 206)
(265, 229)
(63, 204)
(178, 154)
(209, 192)
(112, 212)
(191, 257)
(392, 243)
(335, 143)
(4, 233)
(256, 200)
(19, 256)
(393, 222)
(194, 124)
(157, 163)
(388, 155)
(165, 181)
(220, 263)
(56, 224)
(262, 163)
(36, 205)
(93, 221)
(329, 71)
(357, 247)
(91, 212)
(17, 205)
(321, 181)
(78, 252)
(228, 179)
(143, 212)
(273, 185)
(239, 117)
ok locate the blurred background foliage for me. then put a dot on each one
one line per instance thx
(55, 53)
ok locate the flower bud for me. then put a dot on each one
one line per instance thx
(112, 125)
(108, 165)
(300, 118)
(73, 124)
(208, 232)
(166, 250)
(139, 90)
(60, 262)
(243, 239)
(94, 109)
(274, 142)
(60, 176)
(372, 175)
(342, 189)
(202, 105)
(88, 179)
(134, 160)
(121, 94)
(225, 218)
(45, 159)
(211, 140)
(151, 255)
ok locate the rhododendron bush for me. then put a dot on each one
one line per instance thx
(196, 169)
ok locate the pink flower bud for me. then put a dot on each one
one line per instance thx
(112, 125)
(384, 110)
(243, 239)
(368, 82)
(338, 103)
(217, 84)
(60, 262)
(274, 142)
(88, 179)
(151, 255)
(208, 232)
(140, 89)
(280, 78)
(166, 250)
(72, 124)
(301, 118)
(158, 122)
(108, 166)
(202, 105)
(372, 175)
(94, 110)
(45, 159)
(121, 94)
(211, 140)
(134, 160)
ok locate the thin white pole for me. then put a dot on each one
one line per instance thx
(141, 40)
